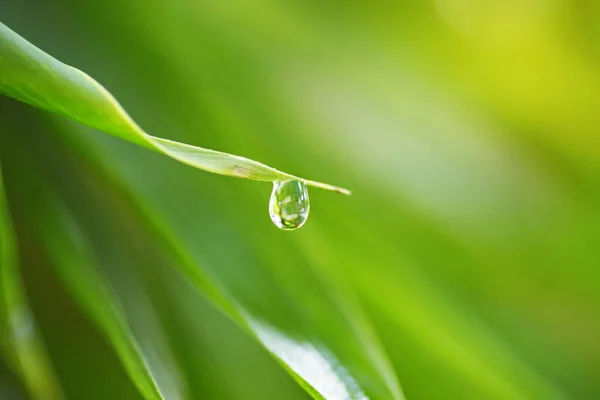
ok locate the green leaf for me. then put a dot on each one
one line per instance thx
(301, 316)
(32, 76)
(474, 241)
(69, 253)
(19, 336)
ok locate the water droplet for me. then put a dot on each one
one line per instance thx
(289, 204)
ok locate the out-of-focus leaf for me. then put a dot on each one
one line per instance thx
(471, 136)
(296, 313)
(152, 292)
(299, 315)
(68, 251)
(88, 287)
(212, 352)
(487, 370)
(20, 341)
(84, 359)
(32, 76)
(10, 386)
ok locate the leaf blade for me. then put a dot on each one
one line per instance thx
(30, 75)
(20, 338)
(300, 353)
(56, 231)
(261, 302)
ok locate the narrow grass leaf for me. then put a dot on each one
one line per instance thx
(279, 301)
(30, 75)
(20, 342)
(65, 244)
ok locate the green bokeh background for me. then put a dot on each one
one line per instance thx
(468, 131)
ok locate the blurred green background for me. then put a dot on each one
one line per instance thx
(466, 264)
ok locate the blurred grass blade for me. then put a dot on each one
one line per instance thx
(32, 76)
(65, 246)
(289, 309)
(330, 360)
(19, 340)
(92, 293)
(453, 338)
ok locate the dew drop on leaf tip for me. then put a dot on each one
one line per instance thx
(289, 204)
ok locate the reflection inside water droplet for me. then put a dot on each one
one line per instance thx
(289, 204)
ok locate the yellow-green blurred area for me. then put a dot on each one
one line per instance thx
(465, 265)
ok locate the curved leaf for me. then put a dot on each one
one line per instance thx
(300, 316)
(32, 76)
(19, 337)
(303, 317)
